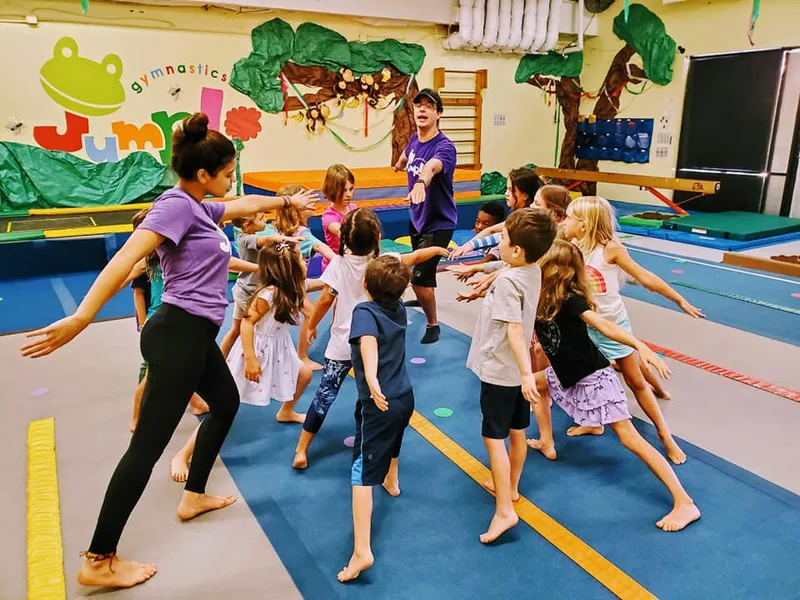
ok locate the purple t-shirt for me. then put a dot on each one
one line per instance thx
(439, 211)
(195, 255)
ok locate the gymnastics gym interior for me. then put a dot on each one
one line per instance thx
(684, 114)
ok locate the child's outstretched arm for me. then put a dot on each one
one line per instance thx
(616, 253)
(237, 265)
(521, 351)
(274, 238)
(618, 334)
(138, 270)
(423, 254)
(324, 249)
(473, 244)
(324, 303)
(257, 309)
(369, 354)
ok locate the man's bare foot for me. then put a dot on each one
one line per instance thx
(679, 517)
(290, 417)
(392, 486)
(133, 425)
(547, 449)
(358, 563)
(488, 485)
(312, 364)
(585, 430)
(114, 573)
(498, 527)
(300, 460)
(193, 505)
(179, 468)
(674, 453)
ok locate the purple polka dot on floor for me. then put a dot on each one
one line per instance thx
(795, 295)
(350, 441)
(417, 360)
(40, 392)
(677, 271)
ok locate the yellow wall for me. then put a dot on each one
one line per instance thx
(146, 38)
(700, 26)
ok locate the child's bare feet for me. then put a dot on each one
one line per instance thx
(114, 573)
(392, 486)
(679, 517)
(488, 485)
(199, 406)
(585, 430)
(179, 468)
(498, 526)
(674, 453)
(193, 505)
(548, 449)
(300, 460)
(312, 364)
(283, 416)
(358, 563)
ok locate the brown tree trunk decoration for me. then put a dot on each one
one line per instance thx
(607, 105)
(327, 82)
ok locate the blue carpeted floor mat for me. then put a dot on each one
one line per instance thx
(425, 542)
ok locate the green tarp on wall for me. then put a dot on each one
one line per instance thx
(551, 64)
(38, 178)
(646, 34)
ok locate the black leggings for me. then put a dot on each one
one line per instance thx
(183, 358)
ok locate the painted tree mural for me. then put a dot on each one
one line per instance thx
(644, 35)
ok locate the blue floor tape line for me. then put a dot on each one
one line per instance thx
(68, 303)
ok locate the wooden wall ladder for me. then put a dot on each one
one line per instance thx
(463, 107)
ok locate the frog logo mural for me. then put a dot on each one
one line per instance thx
(82, 85)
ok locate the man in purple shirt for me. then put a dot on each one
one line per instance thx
(430, 161)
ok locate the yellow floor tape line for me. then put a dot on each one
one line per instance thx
(591, 561)
(79, 210)
(45, 551)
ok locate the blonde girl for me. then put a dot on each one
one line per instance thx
(590, 224)
(580, 379)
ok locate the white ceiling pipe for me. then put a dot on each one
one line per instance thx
(478, 19)
(504, 31)
(542, 12)
(528, 26)
(457, 39)
(579, 27)
(515, 35)
(491, 25)
(553, 25)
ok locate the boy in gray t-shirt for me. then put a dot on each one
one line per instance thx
(499, 357)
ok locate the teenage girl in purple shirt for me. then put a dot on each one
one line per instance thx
(178, 341)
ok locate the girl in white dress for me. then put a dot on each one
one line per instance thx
(263, 360)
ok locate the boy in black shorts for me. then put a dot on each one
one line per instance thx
(385, 398)
(499, 357)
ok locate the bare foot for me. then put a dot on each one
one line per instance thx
(311, 364)
(358, 563)
(200, 408)
(114, 573)
(292, 417)
(133, 425)
(193, 505)
(679, 517)
(392, 486)
(488, 485)
(661, 393)
(498, 527)
(585, 430)
(674, 453)
(179, 468)
(300, 460)
(547, 449)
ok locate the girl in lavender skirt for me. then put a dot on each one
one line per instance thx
(580, 379)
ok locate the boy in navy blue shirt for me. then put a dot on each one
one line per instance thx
(385, 398)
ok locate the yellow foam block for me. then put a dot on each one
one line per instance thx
(45, 549)
(82, 231)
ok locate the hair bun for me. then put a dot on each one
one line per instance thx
(195, 128)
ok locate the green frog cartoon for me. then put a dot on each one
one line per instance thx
(81, 85)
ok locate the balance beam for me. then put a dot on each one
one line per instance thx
(701, 186)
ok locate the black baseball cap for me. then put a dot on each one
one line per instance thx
(430, 95)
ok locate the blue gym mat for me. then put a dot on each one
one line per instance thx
(425, 542)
